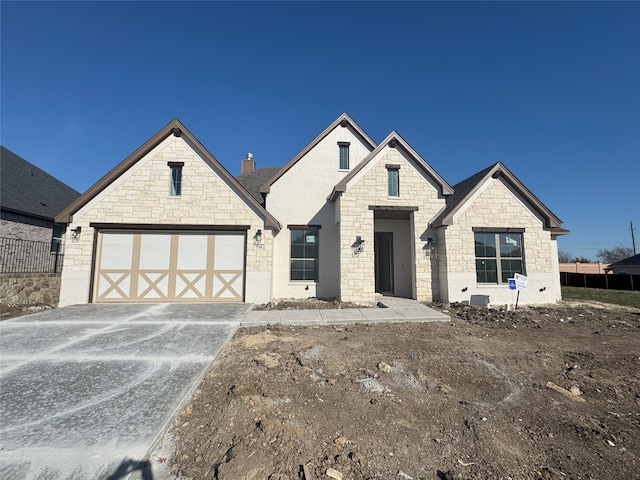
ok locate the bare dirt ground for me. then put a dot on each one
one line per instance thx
(461, 400)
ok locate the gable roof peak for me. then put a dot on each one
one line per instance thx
(393, 140)
(465, 189)
(343, 120)
(176, 128)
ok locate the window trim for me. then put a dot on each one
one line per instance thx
(175, 185)
(396, 181)
(343, 147)
(316, 259)
(498, 258)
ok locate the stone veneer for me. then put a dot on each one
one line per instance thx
(141, 195)
(497, 205)
(370, 187)
(29, 288)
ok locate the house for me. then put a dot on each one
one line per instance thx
(628, 266)
(346, 217)
(29, 199)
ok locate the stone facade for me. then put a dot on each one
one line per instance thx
(433, 259)
(497, 205)
(29, 288)
(370, 187)
(142, 196)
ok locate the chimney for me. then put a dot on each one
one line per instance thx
(248, 164)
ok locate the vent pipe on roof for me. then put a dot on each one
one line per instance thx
(248, 164)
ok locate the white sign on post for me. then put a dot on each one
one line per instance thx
(521, 282)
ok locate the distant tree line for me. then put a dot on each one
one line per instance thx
(606, 256)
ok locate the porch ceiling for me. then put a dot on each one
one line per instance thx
(392, 213)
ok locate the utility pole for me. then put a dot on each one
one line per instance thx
(633, 238)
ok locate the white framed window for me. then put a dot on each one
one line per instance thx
(499, 255)
(304, 253)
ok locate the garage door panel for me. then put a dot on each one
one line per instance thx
(114, 285)
(117, 251)
(229, 252)
(191, 285)
(155, 252)
(153, 285)
(227, 286)
(192, 252)
(169, 266)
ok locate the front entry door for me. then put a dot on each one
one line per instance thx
(383, 251)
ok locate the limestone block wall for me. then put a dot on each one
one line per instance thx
(299, 198)
(497, 205)
(142, 195)
(370, 187)
(29, 288)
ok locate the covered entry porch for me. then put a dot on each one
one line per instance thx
(394, 247)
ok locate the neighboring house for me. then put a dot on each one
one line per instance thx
(345, 218)
(29, 199)
(628, 266)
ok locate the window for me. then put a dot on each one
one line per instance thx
(498, 256)
(344, 155)
(176, 178)
(304, 254)
(393, 180)
(56, 237)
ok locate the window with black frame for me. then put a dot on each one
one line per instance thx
(304, 254)
(499, 255)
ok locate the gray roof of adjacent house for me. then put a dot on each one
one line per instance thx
(253, 181)
(627, 262)
(26, 189)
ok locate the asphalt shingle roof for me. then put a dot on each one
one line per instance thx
(461, 190)
(27, 189)
(252, 181)
(627, 262)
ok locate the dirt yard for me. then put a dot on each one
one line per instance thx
(466, 399)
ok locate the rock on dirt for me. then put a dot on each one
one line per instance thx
(465, 400)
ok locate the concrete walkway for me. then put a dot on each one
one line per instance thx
(394, 310)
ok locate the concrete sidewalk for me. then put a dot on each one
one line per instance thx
(392, 309)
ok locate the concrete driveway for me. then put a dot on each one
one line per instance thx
(86, 390)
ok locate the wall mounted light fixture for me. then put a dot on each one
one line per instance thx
(257, 238)
(75, 232)
(430, 248)
(358, 245)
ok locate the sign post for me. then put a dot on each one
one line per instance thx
(521, 285)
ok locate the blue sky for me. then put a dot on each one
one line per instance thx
(552, 90)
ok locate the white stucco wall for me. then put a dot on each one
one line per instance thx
(299, 198)
(497, 205)
(141, 195)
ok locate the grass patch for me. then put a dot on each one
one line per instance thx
(618, 297)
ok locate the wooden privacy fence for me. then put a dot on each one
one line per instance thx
(610, 281)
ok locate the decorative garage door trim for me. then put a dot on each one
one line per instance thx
(169, 266)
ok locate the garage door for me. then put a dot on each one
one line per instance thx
(169, 267)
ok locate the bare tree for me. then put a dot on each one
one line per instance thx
(615, 254)
(564, 257)
(582, 260)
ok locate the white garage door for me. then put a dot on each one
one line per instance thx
(169, 267)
